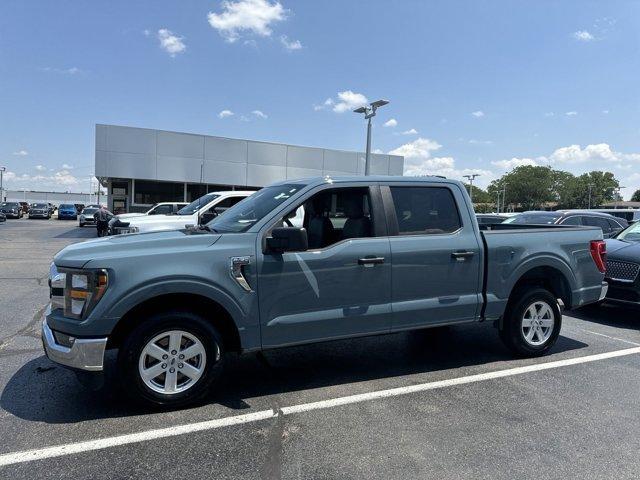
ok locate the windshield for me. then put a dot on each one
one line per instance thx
(630, 234)
(40, 205)
(9, 204)
(196, 205)
(66, 207)
(534, 218)
(89, 211)
(252, 209)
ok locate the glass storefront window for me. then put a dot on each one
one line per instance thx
(148, 193)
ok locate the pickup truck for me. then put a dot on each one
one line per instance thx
(305, 261)
(201, 210)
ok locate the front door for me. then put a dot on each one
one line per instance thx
(341, 286)
(437, 274)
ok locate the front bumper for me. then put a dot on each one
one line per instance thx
(83, 354)
(38, 215)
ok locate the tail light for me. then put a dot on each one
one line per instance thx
(599, 254)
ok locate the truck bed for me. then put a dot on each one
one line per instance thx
(545, 253)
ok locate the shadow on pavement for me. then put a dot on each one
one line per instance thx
(611, 315)
(79, 232)
(43, 392)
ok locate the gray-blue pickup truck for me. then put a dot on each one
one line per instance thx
(305, 261)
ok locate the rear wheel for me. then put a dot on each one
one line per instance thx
(172, 359)
(532, 322)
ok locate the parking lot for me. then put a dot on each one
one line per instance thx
(447, 403)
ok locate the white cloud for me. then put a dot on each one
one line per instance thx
(290, 45)
(478, 114)
(61, 178)
(348, 101)
(259, 114)
(146, 32)
(549, 114)
(225, 114)
(473, 141)
(66, 166)
(327, 103)
(411, 131)
(21, 153)
(605, 112)
(377, 150)
(597, 153)
(246, 16)
(40, 168)
(392, 122)
(170, 43)
(583, 36)
(63, 71)
(515, 162)
(572, 113)
(419, 149)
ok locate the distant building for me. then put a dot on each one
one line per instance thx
(55, 198)
(140, 167)
(621, 204)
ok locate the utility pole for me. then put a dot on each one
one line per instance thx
(591, 185)
(504, 197)
(471, 178)
(498, 202)
(369, 112)
(2, 170)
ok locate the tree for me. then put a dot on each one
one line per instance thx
(636, 196)
(527, 186)
(602, 185)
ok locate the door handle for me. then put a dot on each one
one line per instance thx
(370, 261)
(461, 256)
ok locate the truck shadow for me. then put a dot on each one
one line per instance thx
(43, 392)
(77, 232)
(611, 315)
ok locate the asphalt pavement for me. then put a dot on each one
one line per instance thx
(448, 403)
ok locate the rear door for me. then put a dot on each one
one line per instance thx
(436, 252)
(601, 222)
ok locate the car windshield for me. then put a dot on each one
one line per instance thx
(534, 218)
(252, 209)
(67, 207)
(196, 205)
(89, 211)
(630, 234)
(40, 205)
(9, 204)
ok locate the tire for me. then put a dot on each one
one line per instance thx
(81, 225)
(134, 356)
(539, 308)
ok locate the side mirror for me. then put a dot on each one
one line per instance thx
(287, 239)
(206, 217)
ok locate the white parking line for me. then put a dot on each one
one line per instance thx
(609, 336)
(100, 444)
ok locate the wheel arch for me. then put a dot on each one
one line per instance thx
(548, 277)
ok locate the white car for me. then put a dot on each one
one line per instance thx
(164, 208)
(198, 212)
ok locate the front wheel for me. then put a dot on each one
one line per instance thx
(532, 322)
(171, 360)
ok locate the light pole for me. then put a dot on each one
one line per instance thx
(590, 187)
(504, 197)
(2, 170)
(369, 112)
(471, 178)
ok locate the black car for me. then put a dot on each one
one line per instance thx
(3, 217)
(623, 266)
(609, 224)
(11, 209)
(39, 210)
(490, 218)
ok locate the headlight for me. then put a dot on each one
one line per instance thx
(83, 289)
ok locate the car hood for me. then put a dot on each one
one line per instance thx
(131, 246)
(124, 216)
(181, 220)
(622, 250)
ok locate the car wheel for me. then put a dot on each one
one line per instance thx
(171, 360)
(532, 322)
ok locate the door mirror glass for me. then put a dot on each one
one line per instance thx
(287, 239)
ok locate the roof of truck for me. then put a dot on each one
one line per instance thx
(370, 178)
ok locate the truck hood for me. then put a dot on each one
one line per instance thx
(131, 246)
(622, 250)
(180, 220)
(124, 216)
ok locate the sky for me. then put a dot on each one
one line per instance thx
(474, 86)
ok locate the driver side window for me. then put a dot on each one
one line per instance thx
(333, 215)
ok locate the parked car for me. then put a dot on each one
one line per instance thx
(304, 261)
(79, 207)
(3, 217)
(25, 207)
(40, 210)
(67, 211)
(490, 218)
(623, 266)
(86, 217)
(200, 211)
(609, 224)
(631, 215)
(11, 209)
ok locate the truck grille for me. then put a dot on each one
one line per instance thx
(622, 271)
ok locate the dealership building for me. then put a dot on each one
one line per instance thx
(140, 166)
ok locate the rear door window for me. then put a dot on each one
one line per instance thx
(573, 220)
(425, 210)
(598, 222)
